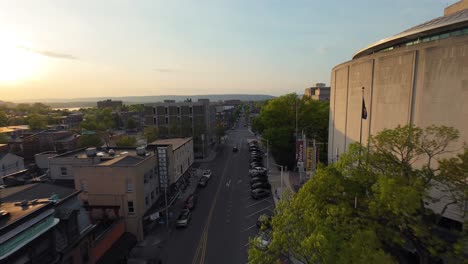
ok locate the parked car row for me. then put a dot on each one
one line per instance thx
(186, 215)
(259, 185)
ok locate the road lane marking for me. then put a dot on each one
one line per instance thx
(259, 211)
(250, 205)
(249, 228)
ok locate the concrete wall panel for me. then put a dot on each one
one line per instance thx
(360, 75)
(341, 94)
(391, 102)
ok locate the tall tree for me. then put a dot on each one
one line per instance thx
(150, 133)
(3, 119)
(36, 121)
(126, 141)
(374, 202)
(89, 141)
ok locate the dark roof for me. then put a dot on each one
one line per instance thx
(456, 20)
(124, 161)
(38, 191)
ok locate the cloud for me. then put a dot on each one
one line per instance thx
(51, 54)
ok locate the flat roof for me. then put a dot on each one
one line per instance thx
(103, 153)
(175, 142)
(17, 212)
(455, 20)
(35, 191)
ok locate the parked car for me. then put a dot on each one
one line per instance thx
(255, 164)
(259, 175)
(235, 149)
(259, 193)
(264, 220)
(203, 181)
(260, 185)
(258, 179)
(184, 218)
(263, 240)
(207, 173)
(191, 201)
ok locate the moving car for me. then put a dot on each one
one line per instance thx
(260, 185)
(203, 181)
(235, 149)
(184, 218)
(190, 202)
(259, 193)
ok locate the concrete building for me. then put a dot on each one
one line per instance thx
(109, 104)
(122, 183)
(184, 119)
(318, 92)
(419, 77)
(179, 155)
(10, 163)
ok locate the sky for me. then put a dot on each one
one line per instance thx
(75, 49)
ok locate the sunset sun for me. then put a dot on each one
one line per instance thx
(17, 64)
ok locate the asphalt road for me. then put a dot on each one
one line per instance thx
(225, 215)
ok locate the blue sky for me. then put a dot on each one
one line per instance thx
(125, 48)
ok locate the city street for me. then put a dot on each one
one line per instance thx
(225, 215)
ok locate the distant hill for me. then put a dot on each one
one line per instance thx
(91, 101)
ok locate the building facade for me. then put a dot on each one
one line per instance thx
(10, 163)
(184, 119)
(124, 184)
(318, 92)
(417, 77)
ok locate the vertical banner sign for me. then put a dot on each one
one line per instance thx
(163, 175)
(310, 158)
(300, 151)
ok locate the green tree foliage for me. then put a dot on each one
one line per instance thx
(3, 138)
(150, 133)
(220, 131)
(3, 119)
(98, 119)
(126, 141)
(277, 123)
(131, 123)
(373, 202)
(36, 121)
(89, 141)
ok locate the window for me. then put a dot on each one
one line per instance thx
(166, 110)
(154, 120)
(167, 120)
(63, 171)
(146, 200)
(150, 173)
(145, 178)
(131, 209)
(84, 185)
(129, 185)
(178, 110)
(152, 195)
(154, 110)
(191, 110)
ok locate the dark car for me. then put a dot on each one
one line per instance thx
(191, 201)
(254, 148)
(235, 149)
(260, 185)
(258, 179)
(259, 193)
(258, 175)
(184, 218)
(203, 182)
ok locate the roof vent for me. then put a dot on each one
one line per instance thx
(141, 151)
(111, 152)
(90, 152)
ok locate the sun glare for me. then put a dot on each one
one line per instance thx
(17, 64)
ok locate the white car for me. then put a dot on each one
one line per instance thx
(207, 174)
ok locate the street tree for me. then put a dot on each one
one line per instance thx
(92, 140)
(220, 132)
(36, 121)
(150, 133)
(3, 119)
(126, 141)
(131, 123)
(373, 203)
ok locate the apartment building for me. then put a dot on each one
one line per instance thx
(318, 92)
(178, 156)
(120, 183)
(184, 119)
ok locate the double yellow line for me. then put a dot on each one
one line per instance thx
(201, 249)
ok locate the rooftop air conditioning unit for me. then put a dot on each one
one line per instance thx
(111, 152)
(141, 151)
(90, 152)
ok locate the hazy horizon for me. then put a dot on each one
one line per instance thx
(75, 49)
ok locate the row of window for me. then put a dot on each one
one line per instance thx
(166, 110)
(459, 32)
(148, 201)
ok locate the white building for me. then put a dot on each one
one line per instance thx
(10, 163)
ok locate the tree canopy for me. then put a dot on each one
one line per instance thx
(374, 202)
(126, 141)
(277, 124)
(36, 121)
(89, 141)
(98, 119)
